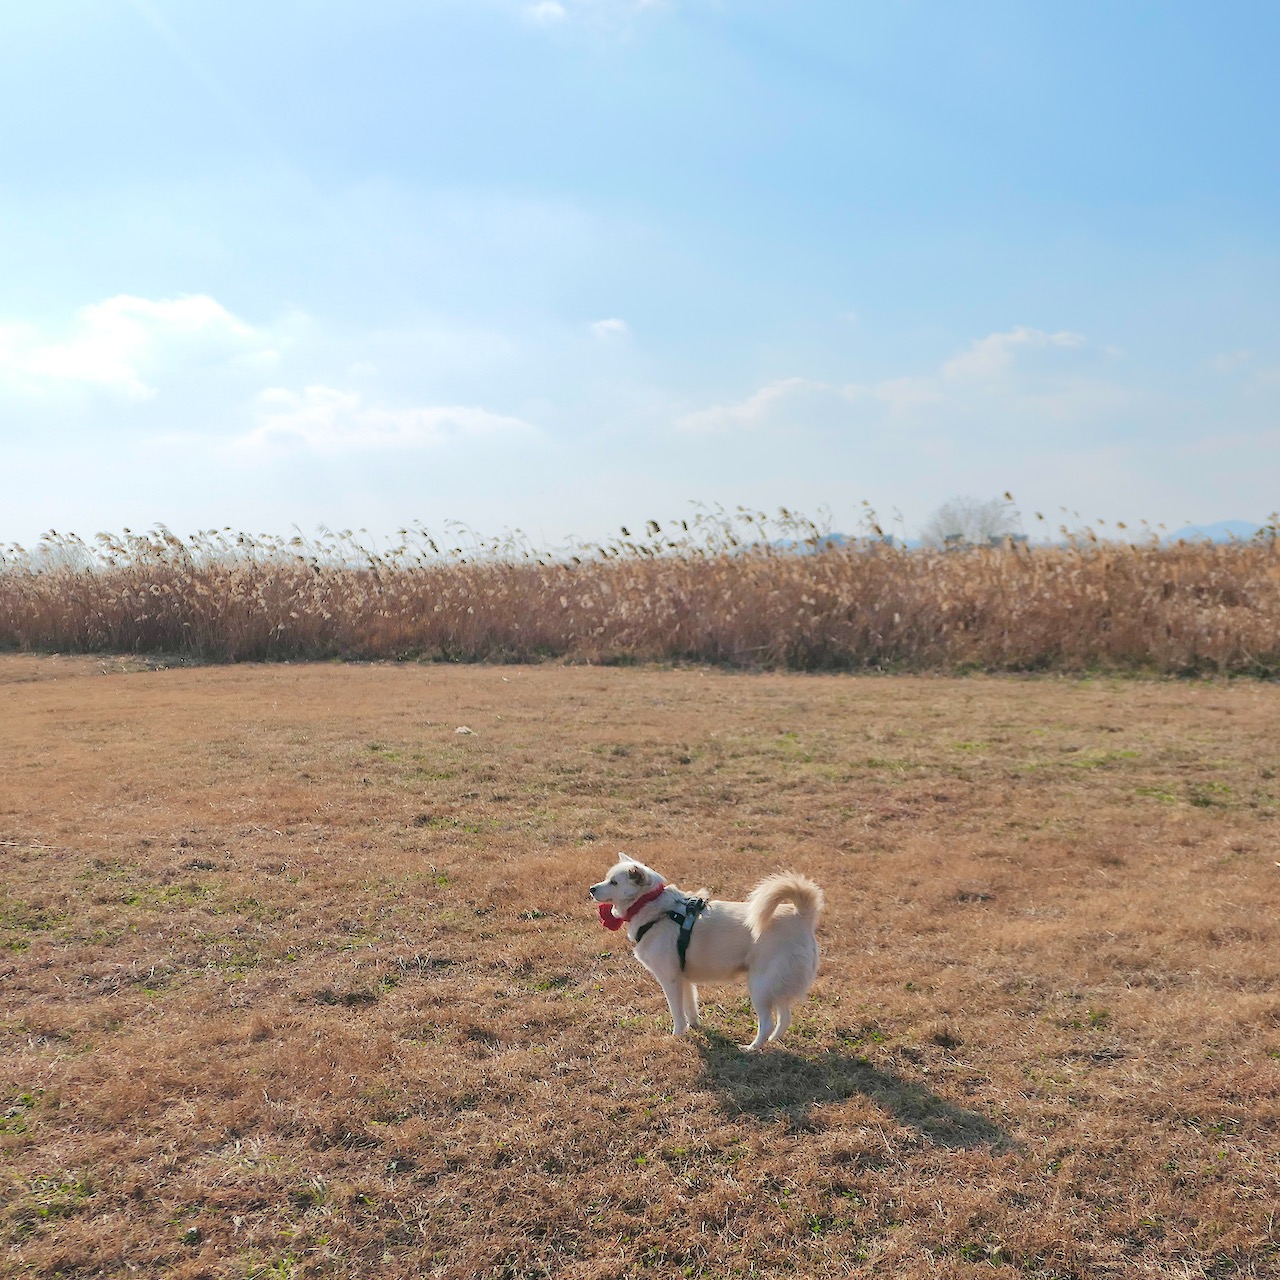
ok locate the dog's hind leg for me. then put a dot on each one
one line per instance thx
(762, 1003)
(783, 1012)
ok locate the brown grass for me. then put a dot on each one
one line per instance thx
(743, 591)
(296, 980)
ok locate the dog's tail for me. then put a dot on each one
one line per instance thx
(773, 891)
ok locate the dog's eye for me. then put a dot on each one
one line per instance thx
(614, 880)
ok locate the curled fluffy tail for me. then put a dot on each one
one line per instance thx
(773, 891)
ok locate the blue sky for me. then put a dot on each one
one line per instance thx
(564, 265)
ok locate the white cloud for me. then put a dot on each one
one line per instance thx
(124, 344)
(996, 353)
(325, 420)
(613, 328)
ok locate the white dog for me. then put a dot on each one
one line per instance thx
(683, 941)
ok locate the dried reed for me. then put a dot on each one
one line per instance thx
(742, 590)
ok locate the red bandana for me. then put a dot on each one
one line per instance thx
(615, 922)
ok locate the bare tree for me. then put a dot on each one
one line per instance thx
(969, 522)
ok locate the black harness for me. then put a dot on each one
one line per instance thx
(685, 914)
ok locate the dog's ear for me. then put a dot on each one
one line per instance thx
(636, 875)
(625, 857)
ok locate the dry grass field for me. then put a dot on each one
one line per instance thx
(297, 979)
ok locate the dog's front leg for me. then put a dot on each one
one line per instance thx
(690, 1003)
(674, 989)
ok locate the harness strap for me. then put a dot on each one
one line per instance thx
(693, 908)
(686, 919)
(644, 928)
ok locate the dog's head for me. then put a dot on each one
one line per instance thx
(626, 881)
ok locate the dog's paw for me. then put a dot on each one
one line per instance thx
(751, 1048)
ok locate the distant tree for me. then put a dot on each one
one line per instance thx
(971, 522)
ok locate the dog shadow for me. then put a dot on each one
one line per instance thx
(780, 1085)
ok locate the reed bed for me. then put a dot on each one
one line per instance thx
(741, 590)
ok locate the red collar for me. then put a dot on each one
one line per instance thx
(612, 921)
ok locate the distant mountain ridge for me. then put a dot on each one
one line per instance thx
(1219, 531)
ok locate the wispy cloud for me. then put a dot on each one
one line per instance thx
(613, 328)
(607, 12)
(906, 396)
(326, 420)
(121, 345)
(987, 378)
(547, 11)
(996, 353)
(758, 409)
(198, 73)
(1232, 361)
(1264, 443)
